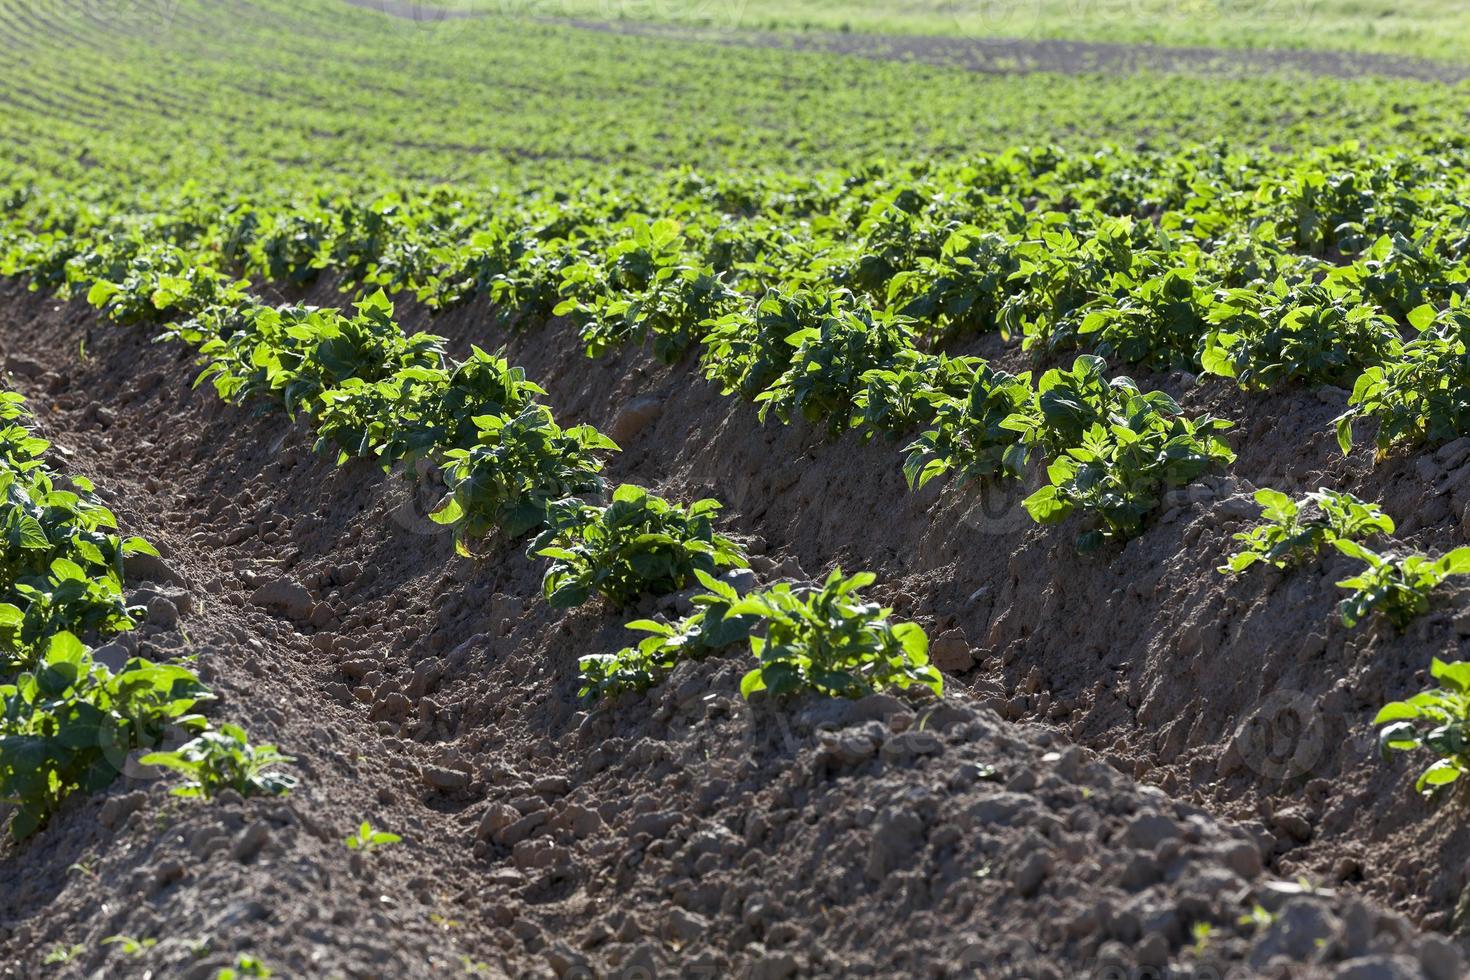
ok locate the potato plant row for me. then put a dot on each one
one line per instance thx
(816, 343)
(371, 391)
(838, 299)
(1330, 267)
(69, 720)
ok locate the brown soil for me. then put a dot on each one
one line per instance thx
(685, 832)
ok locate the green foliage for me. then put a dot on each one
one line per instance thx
(68, 724)
(1436, 720)
(911, 391)
(60, 954)
(979, 432)
(640, 543)
(1158, 322)
(829, 641)
(711, 629)
(1312, 333)
(245, 966)
(961, 290)
(368, 839)
(1293, 531)
(644, 286)
(1060, 272)
(20, 449)
(129, 945)
(1124, 449)
(1421, 392)
(60, 554)
(517, 469)
(1397, 588)
(422, 412)
(224, 759)
(827, 369)
(1404, 277)
(746, 351)
(294, 354)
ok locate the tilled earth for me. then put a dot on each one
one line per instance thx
(1141, 768)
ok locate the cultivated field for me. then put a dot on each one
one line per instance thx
(511, 496)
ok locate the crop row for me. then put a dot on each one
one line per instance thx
(535, 106)
(776, 283)
(370, 391)
(1333, 268)
(69, 720)
(835, 300)
(510, 470)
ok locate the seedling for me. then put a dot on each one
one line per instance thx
(368, 839)
(829, 641)
(707, 631)
(225, 759)
(63, 954)
(1398, 588)
(129, 945)
(1437, 720)
(245, 966)
(1294, 531)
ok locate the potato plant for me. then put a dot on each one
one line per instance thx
(20, 449)
(1119, 470)
(1061, 268)
(710, 629)
(1313, 333)
(293, 354)
(67, 722)
(645, 285)
(517, 469)
(67, 725)
(1402, 276)
(1158, 323)
(910, 392)
(960, 291)
(421, 412)
(1436, 721)
(1397, 588)
(1292, 532)
(827, 640)
(826, 369)
(745, 351)
(61, 561)
(979, 433)
(1420, 393)
(224, 759)
(365, 838)
(638, 544)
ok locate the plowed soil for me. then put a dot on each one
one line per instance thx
(1133, 771)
